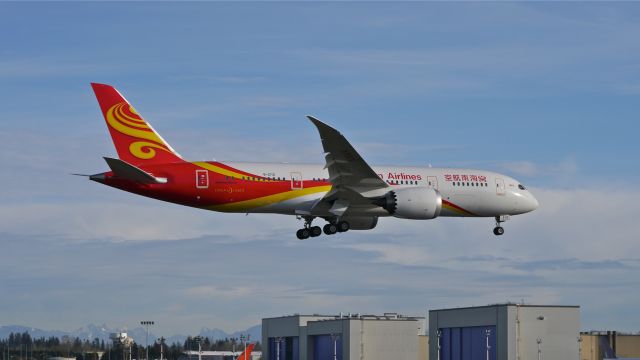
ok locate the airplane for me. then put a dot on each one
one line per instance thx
(246, 354)
(346, 192)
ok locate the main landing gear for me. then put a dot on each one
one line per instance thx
(332, 227)
(499, 230)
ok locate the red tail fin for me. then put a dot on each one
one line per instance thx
(246, 355)
(135, 140)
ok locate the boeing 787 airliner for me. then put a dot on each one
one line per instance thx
(346, 192)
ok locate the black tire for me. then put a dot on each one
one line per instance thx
(498, 230)
(330, 229)
(315, 231)
(302, 234)
(343, 226)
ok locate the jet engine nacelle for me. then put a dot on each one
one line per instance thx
(361, 222)
(419, 203)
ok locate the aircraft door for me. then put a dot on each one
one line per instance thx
(202, 179)
(500, 189)
(432, 182)
(296, 181)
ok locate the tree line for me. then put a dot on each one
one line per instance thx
(21, 346)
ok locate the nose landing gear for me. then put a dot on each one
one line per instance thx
(499, 230)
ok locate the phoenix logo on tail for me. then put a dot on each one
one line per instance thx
(135, 140)
(345, 191)
(246, 354)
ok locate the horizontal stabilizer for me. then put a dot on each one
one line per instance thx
(123, 169)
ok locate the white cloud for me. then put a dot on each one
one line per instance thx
(219, 292)
(136, 219)
(558, 254)
(587, 224)
(565, 168)
(394, 253)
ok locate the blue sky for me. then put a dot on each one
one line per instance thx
(544, 92)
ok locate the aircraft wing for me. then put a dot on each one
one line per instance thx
(349, 174)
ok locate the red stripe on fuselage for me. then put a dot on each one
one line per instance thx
(222, 189)
(449, 203)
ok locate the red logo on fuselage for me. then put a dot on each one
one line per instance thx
(465, 177)
(400, 176)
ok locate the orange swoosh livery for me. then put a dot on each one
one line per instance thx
(246, 354)
(135, 140)
(346, 192)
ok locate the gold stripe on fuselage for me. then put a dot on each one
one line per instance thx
(242, 206)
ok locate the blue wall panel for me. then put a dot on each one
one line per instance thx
(323, 347)
(289, 349)
(467, 343)
(295, 353)
(445, 344)
(456, 348)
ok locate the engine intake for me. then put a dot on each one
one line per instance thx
(412, 203)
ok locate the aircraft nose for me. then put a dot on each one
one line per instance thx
(532, 203)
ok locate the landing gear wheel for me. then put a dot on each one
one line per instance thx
(315, 231)
(498, 230)
(343, 226)
(330, 229)
(303, 234)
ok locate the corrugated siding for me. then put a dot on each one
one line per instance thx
(467, 343)
(323, 347)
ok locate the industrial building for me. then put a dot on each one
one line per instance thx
(217, 355)
(505, 332)
(493, 332)
(599, 345)
(344, 337)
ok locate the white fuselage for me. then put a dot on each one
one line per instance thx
(465, 192)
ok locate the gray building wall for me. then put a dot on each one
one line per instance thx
(325, 327)
(288, 326)
(517, 329)
(383, 340)
(370, 338)
(558, 328)
(468, 317)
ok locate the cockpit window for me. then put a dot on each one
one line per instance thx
(521, 187)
